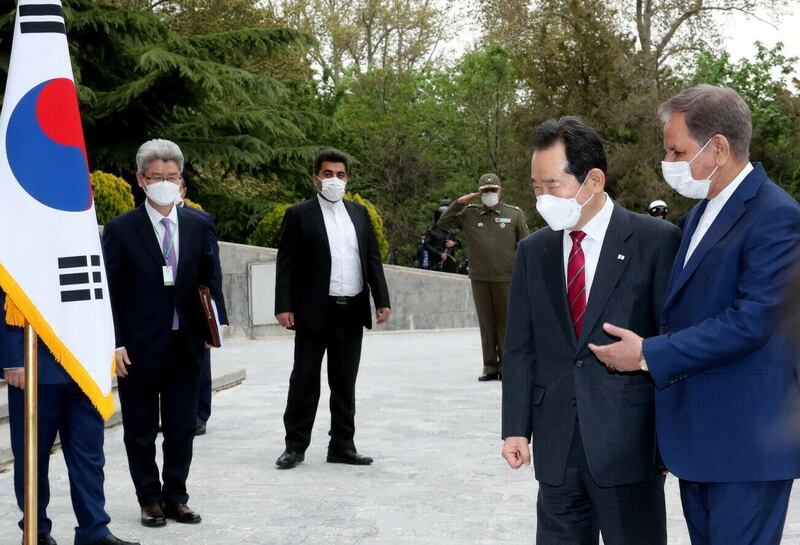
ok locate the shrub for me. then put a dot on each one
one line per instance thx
(192, 204)
(268, 231)
(112, 196)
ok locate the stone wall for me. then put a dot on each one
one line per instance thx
(420, 299)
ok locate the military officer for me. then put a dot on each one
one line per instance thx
(492, 229)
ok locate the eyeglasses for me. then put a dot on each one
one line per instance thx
(156, 179)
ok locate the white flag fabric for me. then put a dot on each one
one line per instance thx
(51, 263)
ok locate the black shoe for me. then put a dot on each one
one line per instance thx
(153, 516)
(348, 457)
(490, 376)
(111, 539)
(180, 512)
(43, 539)
(200, 428)
(289, 459)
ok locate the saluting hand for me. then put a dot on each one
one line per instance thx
(464, 199)
(123, 361)
(516, 452)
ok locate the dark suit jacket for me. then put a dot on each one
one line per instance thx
(304, 265)
(221, 310)
(141, 303)
(550, 376)
(12, 352)
(728, 398)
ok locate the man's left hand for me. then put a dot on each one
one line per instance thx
(382, 315)
(623, 355)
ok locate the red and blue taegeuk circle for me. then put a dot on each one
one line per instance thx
(45, 148)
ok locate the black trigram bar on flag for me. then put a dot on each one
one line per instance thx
(31, 22)
(80, 278)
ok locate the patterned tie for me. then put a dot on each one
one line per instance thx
(576, 281)
(168, 249)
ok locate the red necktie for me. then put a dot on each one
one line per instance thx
(576, 281)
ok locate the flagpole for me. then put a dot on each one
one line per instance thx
(31, 532)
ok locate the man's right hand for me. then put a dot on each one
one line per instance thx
(516, 452)
(123, 361)
(15, 377)
(286, 319)
(464, 199)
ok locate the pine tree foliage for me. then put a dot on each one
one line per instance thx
(138, 79)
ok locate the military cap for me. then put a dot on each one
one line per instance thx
(489, 181)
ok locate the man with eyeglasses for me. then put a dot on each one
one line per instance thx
(156, 255)
(492, 229)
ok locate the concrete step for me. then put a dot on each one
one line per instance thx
(220, 381)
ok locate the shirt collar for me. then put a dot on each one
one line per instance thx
(596, 227)
(726, 193)
(156, 217)
(329, 205)
(495, 209)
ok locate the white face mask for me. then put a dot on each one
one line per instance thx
(678, 175)
(163, 193)
(490, 198)
(561, 213)
(332, 189)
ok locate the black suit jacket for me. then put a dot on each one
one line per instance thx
(550, 376)
(304, 265)
(220, 300)
(142, 305)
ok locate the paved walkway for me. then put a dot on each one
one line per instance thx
(438, 477)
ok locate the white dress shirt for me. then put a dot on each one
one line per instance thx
(346, 278)
(155, 220)
(592, 243)
(713, 208)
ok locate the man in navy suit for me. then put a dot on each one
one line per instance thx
(63, 409)
(156, 256)
(591, 428)
(204, 399)
(727, 389)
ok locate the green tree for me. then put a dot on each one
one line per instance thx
(763, 83)
(138, 79)
(112, 196)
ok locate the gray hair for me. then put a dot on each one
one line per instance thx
(166, 150)
(713, 110)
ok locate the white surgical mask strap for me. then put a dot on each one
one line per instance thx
(701, 150)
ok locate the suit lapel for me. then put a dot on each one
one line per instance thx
(185, 235)
(610, 267)
(148, 236)
(724, 222)
(317, 220)
(360, 227)
(554, 275)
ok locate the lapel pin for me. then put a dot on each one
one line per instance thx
(621, 257)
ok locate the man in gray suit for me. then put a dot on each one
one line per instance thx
(591, 427)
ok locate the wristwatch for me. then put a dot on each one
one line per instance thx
(643, 362)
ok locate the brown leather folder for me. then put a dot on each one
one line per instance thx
(209, 327)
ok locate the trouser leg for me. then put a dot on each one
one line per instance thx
(482, 295)
(204, 399)
(139, 399)
(82, 434)
(500, 291)
(48, 417)
(344, 355)
(179, 392)
(304, 389)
